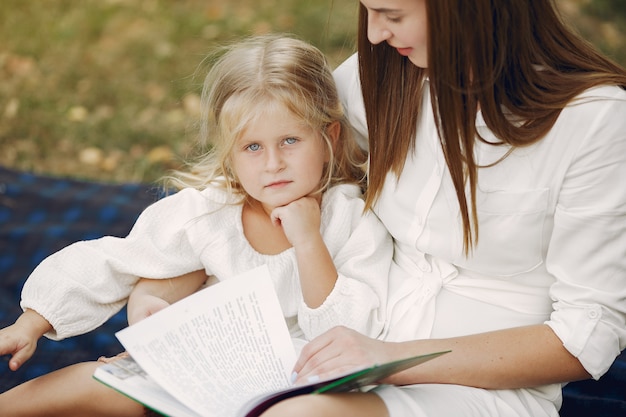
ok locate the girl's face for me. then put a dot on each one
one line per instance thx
(278, 159)
(400, 23)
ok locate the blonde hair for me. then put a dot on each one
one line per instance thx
(265, 71)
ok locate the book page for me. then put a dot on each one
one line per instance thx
(219, 347)
(125, 376)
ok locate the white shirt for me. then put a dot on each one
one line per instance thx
(81, 286)
(552, 230)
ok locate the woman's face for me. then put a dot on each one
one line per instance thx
(400, 23)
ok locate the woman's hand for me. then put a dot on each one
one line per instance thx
(152, 295)
(20, 338)
(144, 305)
(338, 351)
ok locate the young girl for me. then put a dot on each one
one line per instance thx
(280, 186)
(497, 142)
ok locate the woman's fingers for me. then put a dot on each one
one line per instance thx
(338, 351)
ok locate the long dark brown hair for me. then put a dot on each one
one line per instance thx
(516, 60)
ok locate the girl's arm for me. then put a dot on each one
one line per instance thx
(343, 264)
(503, 359)
(152, 295)
(20, 339)
(84, 284)
(300, 221)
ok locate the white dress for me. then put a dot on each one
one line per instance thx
(552, 247)
(84, 284)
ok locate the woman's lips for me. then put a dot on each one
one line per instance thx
(404, 51)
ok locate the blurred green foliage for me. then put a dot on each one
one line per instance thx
(108, 89)
(603, 22)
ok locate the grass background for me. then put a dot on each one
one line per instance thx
(107, 90)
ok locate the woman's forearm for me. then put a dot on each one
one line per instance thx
(510, 358)
(152, 295)
(172, 289)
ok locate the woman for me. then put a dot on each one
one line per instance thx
(497, 143)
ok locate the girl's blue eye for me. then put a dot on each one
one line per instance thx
(254, 147)
(290, 141)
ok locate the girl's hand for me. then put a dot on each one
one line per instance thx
(299, 219)
(20, 338)
(338, 351)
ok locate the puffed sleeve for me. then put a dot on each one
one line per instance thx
(587, 252)
(83, 285)
(362, 251)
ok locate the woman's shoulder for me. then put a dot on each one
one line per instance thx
(348, 69)
(607, 91)
(346, 77)
(601, 96)
(349, 87)
(590, 130)
(597, 108)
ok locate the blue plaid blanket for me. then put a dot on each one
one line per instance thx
(40, 215)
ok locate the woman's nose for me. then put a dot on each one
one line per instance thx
(376, 30)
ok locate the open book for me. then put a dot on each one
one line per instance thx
(224, 351)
